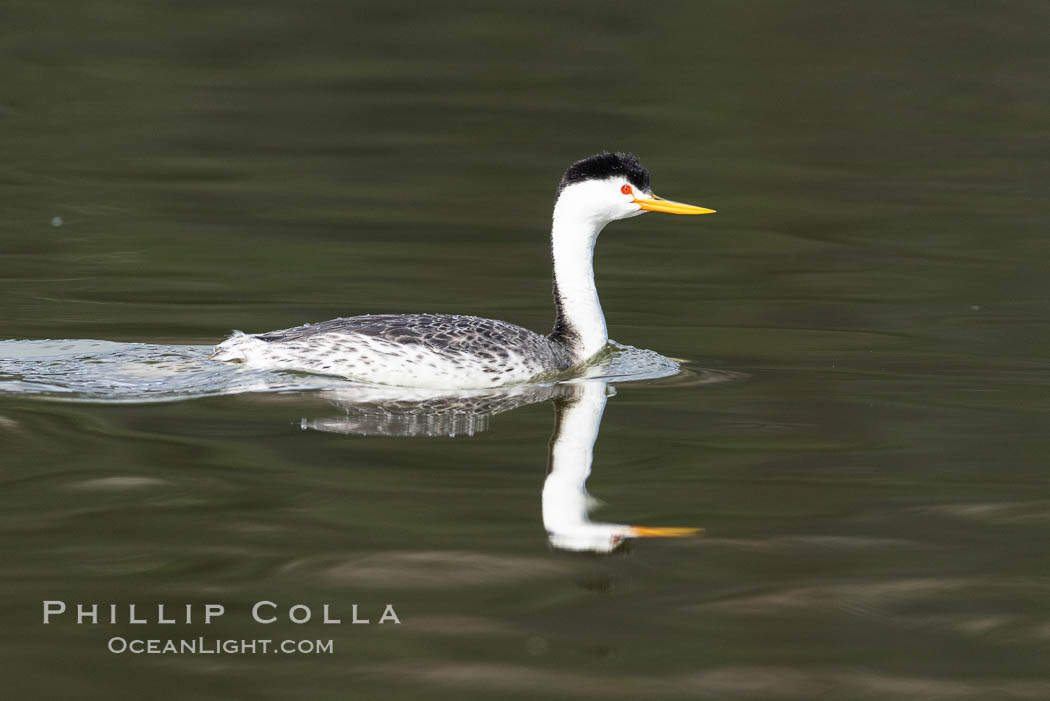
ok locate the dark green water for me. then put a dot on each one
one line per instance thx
(874, 494)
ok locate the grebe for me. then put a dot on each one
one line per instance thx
(467, 352)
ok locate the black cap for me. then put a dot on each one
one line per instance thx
(607, 165)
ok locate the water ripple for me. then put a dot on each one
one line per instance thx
(88, 370)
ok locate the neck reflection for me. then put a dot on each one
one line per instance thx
(566, 502)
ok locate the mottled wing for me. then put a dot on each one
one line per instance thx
(448, 333)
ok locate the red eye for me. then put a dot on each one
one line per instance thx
(626, 189)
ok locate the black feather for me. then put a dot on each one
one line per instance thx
(607, 165)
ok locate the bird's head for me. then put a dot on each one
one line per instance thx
(610, 186)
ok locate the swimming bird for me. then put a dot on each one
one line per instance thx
(469, 352)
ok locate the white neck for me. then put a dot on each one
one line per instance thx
(580, 319)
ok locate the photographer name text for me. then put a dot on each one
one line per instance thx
(264, 612)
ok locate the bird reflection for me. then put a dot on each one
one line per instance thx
(579, 405)
(407, 412)
(566, 502)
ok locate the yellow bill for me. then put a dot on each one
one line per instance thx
(659, 204)
(648, 532)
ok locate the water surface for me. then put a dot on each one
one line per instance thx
(874, 494)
